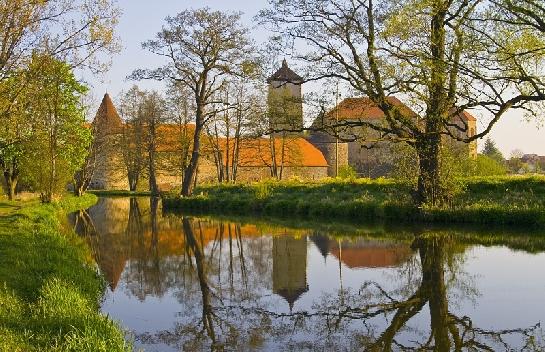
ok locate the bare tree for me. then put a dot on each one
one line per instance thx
(153, 114)
(133, 138)
(443, 56)
(181, 109)
(202, 47)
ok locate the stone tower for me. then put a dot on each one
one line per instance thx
(285, 100)
(108, 128)
(322, 136)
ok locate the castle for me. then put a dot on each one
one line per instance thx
(310, 156)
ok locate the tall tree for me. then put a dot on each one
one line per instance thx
(133, 138)
(442, 56)
(180, 106)
(15, 132)
(60, 141)
(202, 47)
(492, 151)
(153, 114)
(76, 32)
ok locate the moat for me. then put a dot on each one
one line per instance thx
(190, 283)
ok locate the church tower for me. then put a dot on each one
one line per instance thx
(285, 100)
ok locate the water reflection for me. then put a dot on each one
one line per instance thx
(186, 283)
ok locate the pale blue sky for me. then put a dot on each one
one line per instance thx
(141, 20)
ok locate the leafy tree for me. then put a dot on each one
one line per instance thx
(75, 31)
(60, 141)
(84, 175)
(202, 47)
(442, 56)
(491, 151)
(15, 132)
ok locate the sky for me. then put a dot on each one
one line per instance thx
(141, 20)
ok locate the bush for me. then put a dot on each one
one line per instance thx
(486, 166)
(347, 172)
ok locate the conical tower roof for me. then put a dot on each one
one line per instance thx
(285, 74)
(107, 119)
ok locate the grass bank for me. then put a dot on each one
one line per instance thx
(49, 287)
(487, 200)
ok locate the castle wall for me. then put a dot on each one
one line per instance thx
(110, 172)
(371, 160)
(170, 180)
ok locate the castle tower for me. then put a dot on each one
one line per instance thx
(290, 267)
(108, 129)
(285, 100)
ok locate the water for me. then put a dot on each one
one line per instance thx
(189, 283)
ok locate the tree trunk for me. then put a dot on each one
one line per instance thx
(200, 261)
(133, 181)
(46, 197)
(189, 176)
(432, 257)
(78, 190)
(154, 189)
(429, 178)
(11, 177)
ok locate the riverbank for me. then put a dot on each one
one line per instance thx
(119, 193)
(486, 200)
(49, 287)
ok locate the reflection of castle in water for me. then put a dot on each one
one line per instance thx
(363, 253)
(132, 241)
(290, 267)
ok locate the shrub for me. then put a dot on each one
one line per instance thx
(347, 172)
(487, 166)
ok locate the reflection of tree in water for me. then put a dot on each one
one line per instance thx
(219, 273)
(223, 284)
(333, 315)
(354, 320)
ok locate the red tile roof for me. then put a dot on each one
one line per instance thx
(365, 108)
(255, 152)
(107, 119)
(258, 152)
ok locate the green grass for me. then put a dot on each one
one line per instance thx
(491, 200)
(49, 288)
